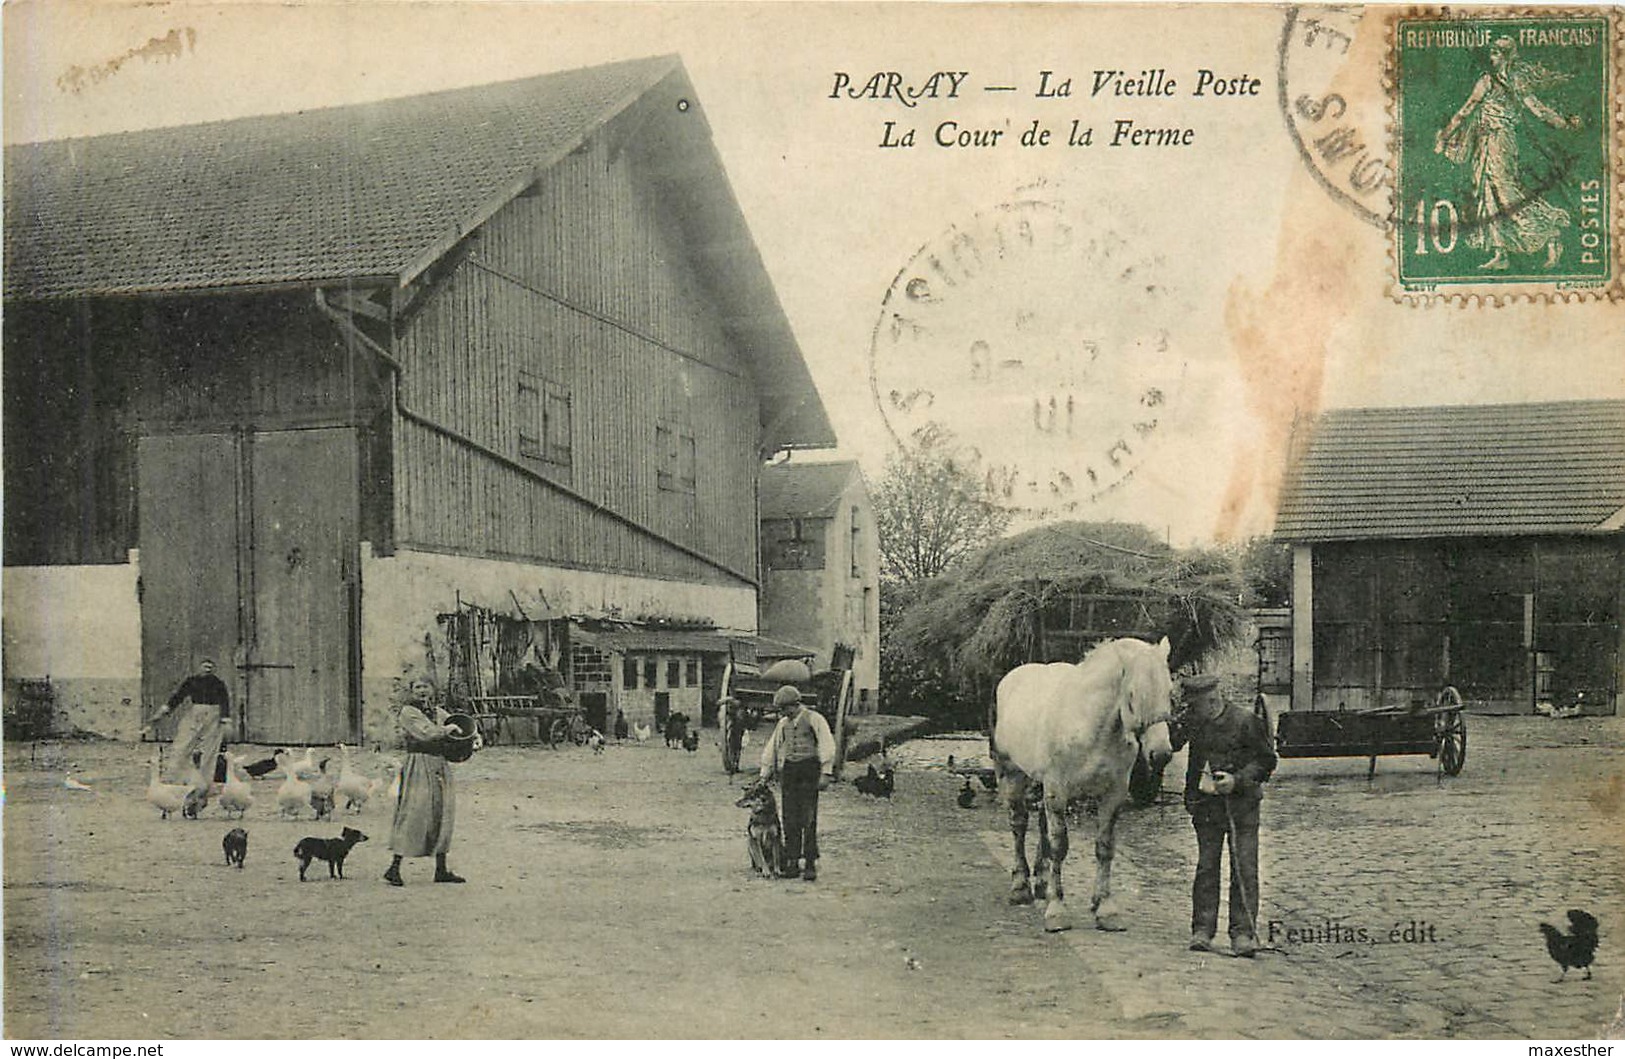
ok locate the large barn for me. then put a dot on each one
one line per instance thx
(283, 390)
(1479, 547)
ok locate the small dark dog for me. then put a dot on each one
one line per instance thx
(332, 850)
(764, 836)
(236, 846)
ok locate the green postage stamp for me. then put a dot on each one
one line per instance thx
(1506, 130)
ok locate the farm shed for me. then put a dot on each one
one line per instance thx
(1481, 547)
(282, 389)
(821, 568)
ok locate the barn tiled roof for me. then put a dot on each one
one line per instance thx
(356, 191)
(804, 490)
(1478, 470)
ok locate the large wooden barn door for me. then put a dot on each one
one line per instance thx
(189, 498)
(303, 527)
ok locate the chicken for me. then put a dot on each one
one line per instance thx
(168, 797)
(322, 790)
(1575, 949)
(877, 783)
(354, 786)
(236, 796)
(294, 795)
(642, 732)
(596, 740)
(691, 742)
(989, 780)
(967, 796)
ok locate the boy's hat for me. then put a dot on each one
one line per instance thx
(1199, 683)
(786, 696)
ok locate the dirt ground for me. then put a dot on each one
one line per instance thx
(609, 896)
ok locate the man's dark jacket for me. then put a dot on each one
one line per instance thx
(1236, 741)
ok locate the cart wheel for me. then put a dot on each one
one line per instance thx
(558, 732)
(1450, 731)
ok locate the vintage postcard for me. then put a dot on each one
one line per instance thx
(813, 520)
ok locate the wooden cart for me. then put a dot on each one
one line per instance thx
(830, 692)
(557, 722)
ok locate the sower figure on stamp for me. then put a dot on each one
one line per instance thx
(801, 752)
(1488, 133)
(1230, 758)
(427, 807)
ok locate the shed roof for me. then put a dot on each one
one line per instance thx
(805, 490)
(375, 193)
(1462, 471)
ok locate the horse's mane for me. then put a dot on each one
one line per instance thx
(1137, 663)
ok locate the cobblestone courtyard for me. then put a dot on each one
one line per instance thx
(609, 897)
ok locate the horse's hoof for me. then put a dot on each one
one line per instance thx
(1021, 896)
(1055, 920)
(1110, 924)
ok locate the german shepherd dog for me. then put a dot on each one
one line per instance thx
(332, 850)
(764, 835)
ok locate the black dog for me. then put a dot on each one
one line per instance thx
(332, 850)
(236, 846)
(764, 836)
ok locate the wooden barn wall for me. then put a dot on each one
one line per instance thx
(84, 379)
(638, 345)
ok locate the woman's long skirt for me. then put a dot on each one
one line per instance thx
(426, 809)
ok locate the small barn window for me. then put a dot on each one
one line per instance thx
(857, 567)
(629, 673)
(544, 421)
(675, 449)
(793, 543)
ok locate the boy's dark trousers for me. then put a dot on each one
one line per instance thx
(1212, 831)
(799, 793)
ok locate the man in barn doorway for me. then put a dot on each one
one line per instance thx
(801, 752)
(1230, 758)
(203, 733)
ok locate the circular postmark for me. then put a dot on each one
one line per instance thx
(1043, 339)
(1329, 86)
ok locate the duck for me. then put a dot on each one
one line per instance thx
(168, 797)
(967, 796)
(236, 796)
(294, 795)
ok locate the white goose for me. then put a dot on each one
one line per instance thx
(293, 797)
(237, 795)
(168, 797)
(354, 786)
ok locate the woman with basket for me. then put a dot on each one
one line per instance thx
(426, 809)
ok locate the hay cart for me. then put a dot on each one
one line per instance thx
(829, 691)
(1431, 723)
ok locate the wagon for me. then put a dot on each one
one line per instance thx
(1435, 724)
(830, 692)
(558, 718)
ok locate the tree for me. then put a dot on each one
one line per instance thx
(936, 504)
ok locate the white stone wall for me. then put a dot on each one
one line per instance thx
(81, 627)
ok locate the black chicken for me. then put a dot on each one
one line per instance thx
(876, 783)
(967, 796)
(1575, 949)
(691, 742)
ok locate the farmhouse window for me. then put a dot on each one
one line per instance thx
(651, 672)
(674, 447)
(629, 674)
(793, 543)
(693, 673)
(674, 673)
(544, 421)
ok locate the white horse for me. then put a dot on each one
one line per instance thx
(1075, 729)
